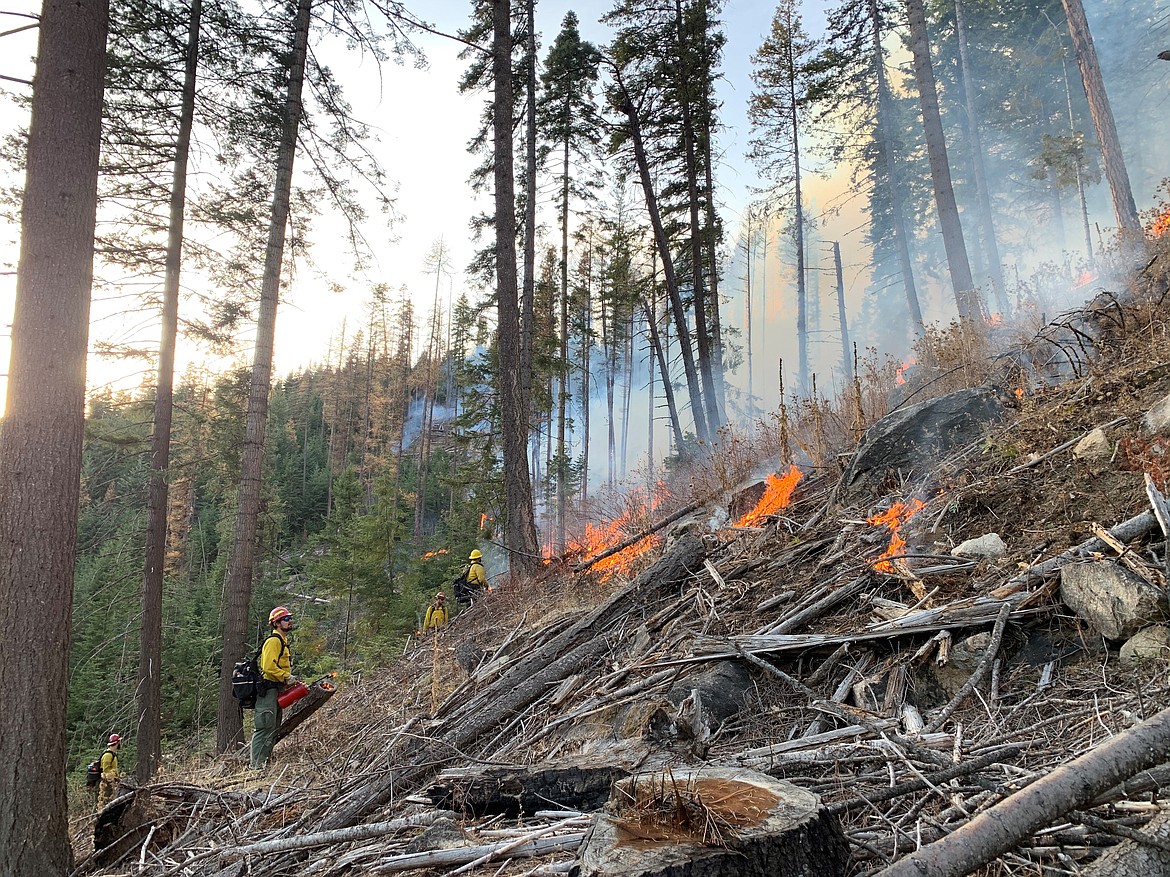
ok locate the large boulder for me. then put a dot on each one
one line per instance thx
(713, 822)
(1112, 600)
(911, 440)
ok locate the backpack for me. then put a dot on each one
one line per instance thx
(248, 683)
(462, 587)
(93, 773)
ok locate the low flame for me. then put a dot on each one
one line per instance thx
(900, 377)
(1161, 225)
(597, 539)
(431, 554)
(1085, 279)
(893, 519)
(1019, 391)
(483, 519)
(777, 493)
(995, 319)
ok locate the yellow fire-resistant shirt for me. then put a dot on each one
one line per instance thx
(109, 764)
(436, 616)
(476, 577)
(275, 658)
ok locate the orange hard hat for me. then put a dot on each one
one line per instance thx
(114, 738)
(278, 613)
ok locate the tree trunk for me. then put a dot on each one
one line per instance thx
(563, 375)
(520, 532)
(229, 731)
(660, 354)
(149, 736)
(940, 168)
(668, 274)
(749, 246)
(702, 330)
(40, 445)
(801, 286)
(983, 196)
(528, 296)
(897, 203)
(842, 320)
(586, 370)
(1111, 155)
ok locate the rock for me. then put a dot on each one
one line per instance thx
(442, 834)
(1094, 446)
(990, 545)
(911, 440)
(714, 822)
(1111, 599)
(1156, 421)
(1148, 644)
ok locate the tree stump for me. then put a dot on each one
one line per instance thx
(713, 822)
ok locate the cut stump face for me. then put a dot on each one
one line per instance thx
(713, 822)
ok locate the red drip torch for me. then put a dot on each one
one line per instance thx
(291, 695)
(295, 692)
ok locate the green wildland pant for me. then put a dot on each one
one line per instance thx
(266, 723)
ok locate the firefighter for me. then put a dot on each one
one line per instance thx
(108, 787)
(476, 576)
(436, 613)
(275, 664)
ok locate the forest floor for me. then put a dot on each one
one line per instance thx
(851, 672)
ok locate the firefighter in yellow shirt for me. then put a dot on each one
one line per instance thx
(275, 664)
(108, 789)
(436, 613)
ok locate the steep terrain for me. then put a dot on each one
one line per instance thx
(837, 645)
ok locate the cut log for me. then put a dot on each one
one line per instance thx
(319, 692)
(1002, 827)
(1133, 859)
(713, 823)
(521, 791)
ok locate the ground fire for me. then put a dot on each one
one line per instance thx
(893, 519)
(777, 493)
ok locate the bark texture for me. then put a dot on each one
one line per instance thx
(40, 446)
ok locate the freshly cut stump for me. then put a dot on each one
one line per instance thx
(713, 822)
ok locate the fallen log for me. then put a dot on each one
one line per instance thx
(1135, 858)
(319, 692)
(521, 791)
(1074, 784)
(464, 855)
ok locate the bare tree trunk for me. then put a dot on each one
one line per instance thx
(680, 317)
(801, 284)
(749, 246)
(523, 547)
(982, 194)
(940, 168)
(667, 389)
(149, 735)
(528, 296)
(1111, 155)
(897, 202)
(40, 445)
(842, 320)
(229, 731)
(702, 330)
(586, 370)
(608, 328)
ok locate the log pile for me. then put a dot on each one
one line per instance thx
(937, 713)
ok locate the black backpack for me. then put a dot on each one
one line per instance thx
(248, 682)
(93, 773)
(461, 587)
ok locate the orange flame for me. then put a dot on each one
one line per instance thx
(893, 519)
(431, 554)
(1084, 279)
(1161, 225)
(777, 493)
(483, 519)
(1019, 391)
(995, 319)
(900, 378)
(599, 538)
